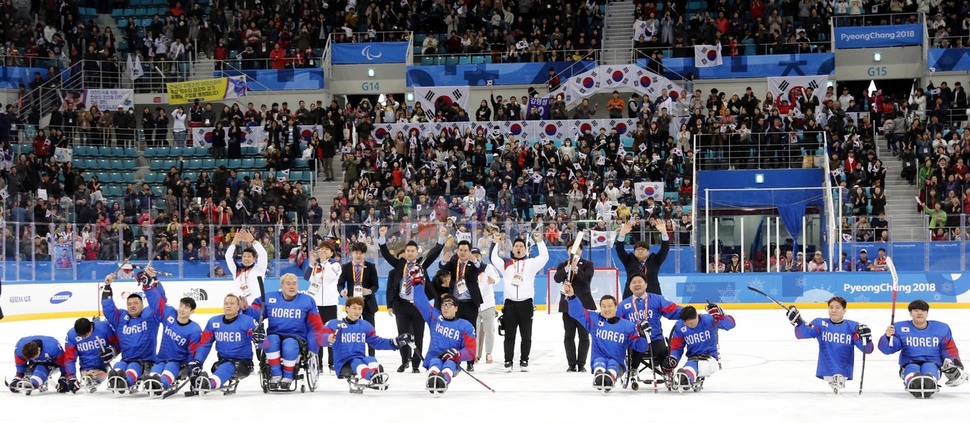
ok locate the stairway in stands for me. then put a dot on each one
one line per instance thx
(327, 191)
(906, 224)
(618, 33)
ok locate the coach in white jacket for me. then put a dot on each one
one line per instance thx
(254, 263)
(519, 279)
(323, 274)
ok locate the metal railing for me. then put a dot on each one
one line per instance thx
(868, 19)
(768, 150)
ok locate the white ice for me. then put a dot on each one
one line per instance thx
(767, 376)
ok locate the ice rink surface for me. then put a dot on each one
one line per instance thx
(767, 375)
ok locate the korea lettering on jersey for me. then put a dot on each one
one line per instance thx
(233, 339)
(178, 342)
(702, 339)
(932, 344)
(137, 335)
(352, 339)
(836, 343)
(655, 306)
(611, 337)
(88, 350)
(445, 334)
(297, 318)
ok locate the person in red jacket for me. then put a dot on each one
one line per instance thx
(278, 56)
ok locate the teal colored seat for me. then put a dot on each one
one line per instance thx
(464, 60)
(234, 164)
(248, 163)
(260, 163)
(193, 164)
(478, 60)
(301, 163)
(104, 164)
(209, 164)
(427, 61)
(451, 61)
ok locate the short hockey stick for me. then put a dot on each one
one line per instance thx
(479, 381)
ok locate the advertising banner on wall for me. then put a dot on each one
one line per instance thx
(206, 89)
(878, 36)
(369, 53)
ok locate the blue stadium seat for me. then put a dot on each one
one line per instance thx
(234, 164)
(248, 163)
(427, 61)
(464, 60)
(301, 163)
(478, 60)
(209, 164)
(104, 164)
(260, 163)
(201, 151)
(451, 61)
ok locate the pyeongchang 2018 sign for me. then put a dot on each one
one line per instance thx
(878, 36)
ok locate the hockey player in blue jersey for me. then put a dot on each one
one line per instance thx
(293, 319)
(94, 345)
(348, 338)
(926, 348)
(695, 336)
(652, 306)
(180, 339)
(137, 329)
(233, 335)
(611, 337)
(452, 338)
(36, 358)
(837, 338)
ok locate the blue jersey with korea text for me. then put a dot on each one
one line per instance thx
(445, 334)
(701, 340)
(51, 353)
(233, 338)
(835, 345)
(633, 309)
(179, 341)
(352, 339)
(610, 337)
(932, 344)
(295, 318)
(87, 351)
(138, 336)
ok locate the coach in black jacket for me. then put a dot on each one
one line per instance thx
(577, 272)
(400, 295)
(360, 273)
(641, 261)
(464, 284)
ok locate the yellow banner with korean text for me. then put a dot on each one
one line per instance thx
(206, 89)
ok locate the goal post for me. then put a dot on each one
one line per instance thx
(606, 281)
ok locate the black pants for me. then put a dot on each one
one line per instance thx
(368, 316)
(517, 315)
(574, 357)
(658, 351)
(469, 311)
(409, 320)
(327, 313)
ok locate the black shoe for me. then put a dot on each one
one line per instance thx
(571, 369)
(471, 367)
(402, 368)
(523, 365)
(508, 367)
(415, 369)
(581, 369)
